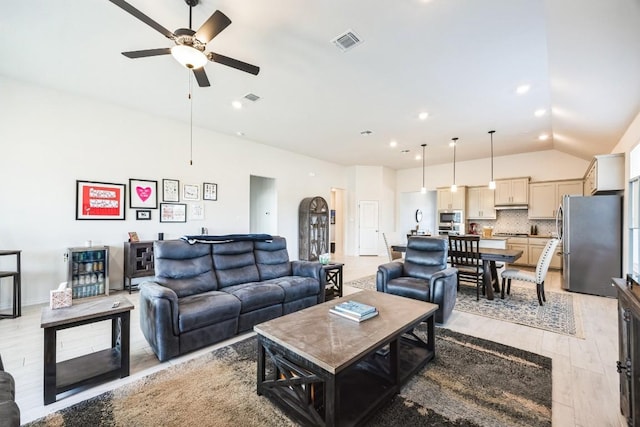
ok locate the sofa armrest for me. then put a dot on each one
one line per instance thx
(387, 272)
(443, 288)
(314, 270)
(159, 319)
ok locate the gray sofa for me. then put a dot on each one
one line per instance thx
(9, 411)
(203, 293)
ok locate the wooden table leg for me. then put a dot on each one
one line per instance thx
(487, 279)
(49, 365)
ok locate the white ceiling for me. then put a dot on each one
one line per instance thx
(459, 60)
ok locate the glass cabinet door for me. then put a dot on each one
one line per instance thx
(89, 271)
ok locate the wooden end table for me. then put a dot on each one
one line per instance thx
(91, 368)
(333, 273)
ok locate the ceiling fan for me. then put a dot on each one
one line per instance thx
(189, 49)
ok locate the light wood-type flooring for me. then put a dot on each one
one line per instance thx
(585, 381)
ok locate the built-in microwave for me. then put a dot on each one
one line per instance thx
(446, 217)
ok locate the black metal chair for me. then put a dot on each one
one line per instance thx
(424, 275)
(464, 254)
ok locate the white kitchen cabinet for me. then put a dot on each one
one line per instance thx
(448, 200)
(520, 244)
(480, 203)
(546, 197)
(513, 191)
(605, 173)
(536, 246)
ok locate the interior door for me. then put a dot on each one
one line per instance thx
(368, 230)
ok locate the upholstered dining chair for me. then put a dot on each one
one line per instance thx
(538, 277)
(464, 254)
(424, 275)
(393, 255)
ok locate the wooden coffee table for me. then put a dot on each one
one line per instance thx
(94, 367)
(323, 369)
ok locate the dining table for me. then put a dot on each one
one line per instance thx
(489, 257)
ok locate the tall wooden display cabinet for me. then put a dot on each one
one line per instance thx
(313, 220)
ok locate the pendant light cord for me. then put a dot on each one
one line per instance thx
(423, 145)
(491, 133)
(190, 119)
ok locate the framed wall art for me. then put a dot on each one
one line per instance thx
(209, 191)
(170, 190)
(143, 215)
(143, 194)
(191, 192)
(196, 212)
(173, 212)
(100, 200)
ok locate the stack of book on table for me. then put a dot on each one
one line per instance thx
(354, 310)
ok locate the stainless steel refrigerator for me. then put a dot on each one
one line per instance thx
(591, 233)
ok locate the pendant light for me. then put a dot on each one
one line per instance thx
(423, 190)
(492, 183)
(454, 187)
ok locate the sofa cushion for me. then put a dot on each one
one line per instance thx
(272, 258)
(296, 287)
(234, 263)
(255, 296)
(208, 308)
(184, 268)
(409, 287)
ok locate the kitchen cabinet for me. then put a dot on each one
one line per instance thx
(536, 246)
(520, 244)
(546, 197)
(88, 271)
(480, 203)
(448, 200)
(513, 191)
(605, 173)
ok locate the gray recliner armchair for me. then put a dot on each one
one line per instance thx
(423, 276)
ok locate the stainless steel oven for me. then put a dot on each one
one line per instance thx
(450, 222)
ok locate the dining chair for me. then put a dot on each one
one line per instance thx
(393, 255)
(538, 277)
(464, 254)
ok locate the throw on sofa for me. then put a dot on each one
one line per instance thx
(203, 293)
(423, 275)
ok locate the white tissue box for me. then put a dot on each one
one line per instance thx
(60, 298)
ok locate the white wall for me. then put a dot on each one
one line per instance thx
(49, 139)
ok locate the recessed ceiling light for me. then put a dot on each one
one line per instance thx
(366, 133)
(543, 137)
(423, 115)
(452, 144)
(522, 89)
(240, 133)
(393, 144)
(540, 112)
(418, 157)
(237, 105)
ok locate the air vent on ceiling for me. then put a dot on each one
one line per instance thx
(347, 40)
(251, 97)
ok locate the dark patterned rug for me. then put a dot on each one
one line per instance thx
(559, 314)
(471, 382)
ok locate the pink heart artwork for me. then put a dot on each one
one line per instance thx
(144, 193)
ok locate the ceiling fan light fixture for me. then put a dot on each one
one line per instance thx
(188, 56)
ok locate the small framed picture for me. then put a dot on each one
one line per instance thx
(143, 215)
(191, 192)
(100, 200)
(133, 236)
(170, 190)
(173, 212)
(209, 191)
(143, 194)
(196, 211)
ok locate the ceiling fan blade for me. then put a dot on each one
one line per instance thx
(144, 18)
(201, 77)
(234, 63)
(149, 52)
(212, 27)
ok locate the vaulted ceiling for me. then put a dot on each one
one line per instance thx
(460, 61)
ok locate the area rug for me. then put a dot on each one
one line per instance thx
(471, 382)
(559, 314)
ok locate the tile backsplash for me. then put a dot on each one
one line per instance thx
(516, 221)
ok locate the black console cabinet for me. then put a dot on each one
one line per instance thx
(138, 261)
(629, 347)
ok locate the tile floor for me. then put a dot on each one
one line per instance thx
(585, 382)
